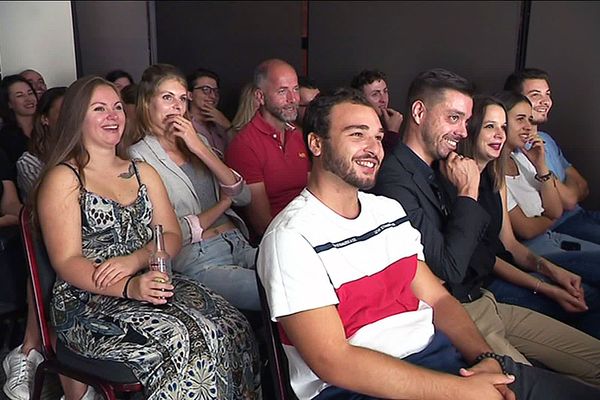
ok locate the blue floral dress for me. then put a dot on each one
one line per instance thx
(198, 347)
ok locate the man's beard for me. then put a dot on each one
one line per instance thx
(343, 169)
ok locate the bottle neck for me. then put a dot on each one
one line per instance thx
(159, 241)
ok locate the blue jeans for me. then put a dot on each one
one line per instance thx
(584, 262)
(588, 322)
(530, 383)
(584, 225)
(225, 263)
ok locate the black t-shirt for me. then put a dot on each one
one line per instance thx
(14, 143)
(5, 171)
(492, 203)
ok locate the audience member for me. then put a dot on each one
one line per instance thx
(21, 362)
(533, 200)
(13, 281)
(120, 78)
(36, 80)
(373, 84)
(247, 106)
(439, 191)
(207, 119)
(343, 290)
(10, 205)
(308, 91)
(17, 105)
(546, 287)
(96, 210)
(571, 185)
(31, 163)
(269, 151)
(201, 187)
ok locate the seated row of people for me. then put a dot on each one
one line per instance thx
(271, 154)
(345, 272)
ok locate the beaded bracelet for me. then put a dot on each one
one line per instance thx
(126, 286)
(496, 357)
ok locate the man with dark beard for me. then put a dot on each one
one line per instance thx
(360, 314)
(439, 189)
(269, 151)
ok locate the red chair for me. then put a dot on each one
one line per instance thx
(277, 361)
(107, 377)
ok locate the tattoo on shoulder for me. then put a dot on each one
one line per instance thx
(130, 172)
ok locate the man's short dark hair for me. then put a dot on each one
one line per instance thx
(514, 82)
(306, 82)
(317, 116)
(201, 73)
(366, 77)
(430, 85)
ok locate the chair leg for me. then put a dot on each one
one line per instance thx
(107, 392)
(38, 382)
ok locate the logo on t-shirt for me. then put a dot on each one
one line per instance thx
(302, 154)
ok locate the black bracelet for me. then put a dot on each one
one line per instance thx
(543, 178)
(126, 286)
(495, 356)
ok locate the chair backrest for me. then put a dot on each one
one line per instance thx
(42, 275)
(277, 359)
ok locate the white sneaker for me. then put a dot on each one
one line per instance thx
(90, 394)
(20, 370)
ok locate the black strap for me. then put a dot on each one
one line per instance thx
(137, 173)
(72, 168)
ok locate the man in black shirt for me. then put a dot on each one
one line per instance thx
(418, 173)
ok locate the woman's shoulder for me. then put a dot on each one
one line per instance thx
(146, 171)
(62, 174)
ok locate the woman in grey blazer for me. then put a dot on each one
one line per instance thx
(201, 187)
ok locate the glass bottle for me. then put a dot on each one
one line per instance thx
(159, 259)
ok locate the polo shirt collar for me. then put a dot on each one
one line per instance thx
(264, 127)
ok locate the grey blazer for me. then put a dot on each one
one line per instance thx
(181, 192)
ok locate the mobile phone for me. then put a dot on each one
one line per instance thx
(570, 246)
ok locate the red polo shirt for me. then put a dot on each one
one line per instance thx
(258, 154)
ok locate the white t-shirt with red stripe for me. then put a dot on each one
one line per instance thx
(311, 257)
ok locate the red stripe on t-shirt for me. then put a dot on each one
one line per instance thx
(373, 298)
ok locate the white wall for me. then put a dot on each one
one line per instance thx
(38, 35)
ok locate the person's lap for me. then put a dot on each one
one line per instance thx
(588, 322)
(225, 263)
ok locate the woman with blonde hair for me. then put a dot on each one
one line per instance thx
(97, 210)
(247, 107)
(201, 187)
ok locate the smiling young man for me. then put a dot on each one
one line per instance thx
(439, 189)
(571, 185)
(373, 85)
(269, 151)
(361, 315)
(204, 98)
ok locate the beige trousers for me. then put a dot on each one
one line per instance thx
(521, 333)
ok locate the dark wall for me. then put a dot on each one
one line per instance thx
(230, 38)
(111, 35)
(475, 39)
(563, 40)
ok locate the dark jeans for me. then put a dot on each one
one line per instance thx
(584, 225)
(530, 383)
(588, 322)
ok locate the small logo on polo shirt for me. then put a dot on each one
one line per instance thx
(302, 154)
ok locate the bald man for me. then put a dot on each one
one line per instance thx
(269, 152)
